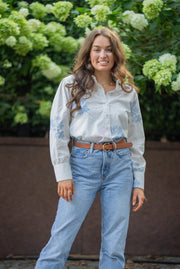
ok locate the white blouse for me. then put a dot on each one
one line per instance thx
(102, 118)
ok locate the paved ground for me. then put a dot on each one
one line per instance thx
(139, 262)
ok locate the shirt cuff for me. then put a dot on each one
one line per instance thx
(62, 171)
(138, 180)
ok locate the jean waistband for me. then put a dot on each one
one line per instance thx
(107, 146)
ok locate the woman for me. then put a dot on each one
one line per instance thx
(100, 112)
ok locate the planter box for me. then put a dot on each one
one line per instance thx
(28, 201)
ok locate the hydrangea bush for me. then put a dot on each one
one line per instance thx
(38, 42)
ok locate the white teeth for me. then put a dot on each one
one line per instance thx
(103, 62)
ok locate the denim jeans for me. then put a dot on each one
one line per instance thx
(110, 174)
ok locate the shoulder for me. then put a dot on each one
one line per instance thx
(68, 79)
(62, 89)
(131, 92)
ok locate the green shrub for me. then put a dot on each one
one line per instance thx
(38, 42)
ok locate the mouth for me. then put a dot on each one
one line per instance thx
(103, 62)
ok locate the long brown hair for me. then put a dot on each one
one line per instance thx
(83, 69)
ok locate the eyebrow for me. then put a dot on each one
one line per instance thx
(100, 46)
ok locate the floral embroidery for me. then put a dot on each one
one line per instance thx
(56, 126)
(84, 108)
(135, 114)
(137, 167)
(117, 131)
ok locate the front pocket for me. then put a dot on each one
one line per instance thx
(79, 152)
(122, 152)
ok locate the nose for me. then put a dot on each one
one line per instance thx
(102, 53)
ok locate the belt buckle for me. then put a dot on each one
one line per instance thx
(106, 150)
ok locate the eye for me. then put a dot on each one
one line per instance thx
(96, 50)
(109, 50)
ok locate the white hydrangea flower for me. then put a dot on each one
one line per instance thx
(42, 61)
(100, 2)
(24, 12)
(80, 40)
(39, 41)
(7, 64)
(83, 20)
(11, 41)
(151, 8)
(69, 44)
(23, 4)
(176, 84)
(45, 108)
(151, 67)
(8, 28)
(100, 12)
(163, 77)
(23, 46)
(56, 41)
(127, 50)
(138, 21)
(127, 16)
(38, 10)
(54, 27)
(87, 31)
(3, 6)
(49, 8)
(2, 81)
(61, 9)
(23, 40)
(21, 117)
(48, 90)
(52, 72)
(34, 24)
(168, 57)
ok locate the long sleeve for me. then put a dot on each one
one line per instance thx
(59, 133)
(136, 136)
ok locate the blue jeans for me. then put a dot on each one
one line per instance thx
(110, 174)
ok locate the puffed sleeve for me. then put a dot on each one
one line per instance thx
(59, 133)
(136, 136)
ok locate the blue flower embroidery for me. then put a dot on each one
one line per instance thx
(135, 114)
(137, 167)
(117, 131)
(56, 126)
(84, 108)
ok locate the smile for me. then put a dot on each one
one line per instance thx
(103, 62)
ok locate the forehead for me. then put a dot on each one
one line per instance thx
(101, 41)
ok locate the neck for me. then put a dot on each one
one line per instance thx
(103, 78)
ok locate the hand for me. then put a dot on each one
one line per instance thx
(137, 199)
(66, 189)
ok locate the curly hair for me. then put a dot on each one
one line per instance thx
(83, 82)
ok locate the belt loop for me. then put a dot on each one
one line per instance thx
(114, 145)
(91, 148)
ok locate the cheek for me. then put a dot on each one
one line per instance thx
(93, 58)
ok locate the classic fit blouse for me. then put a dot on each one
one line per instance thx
(102, 118)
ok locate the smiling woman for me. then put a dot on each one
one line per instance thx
(100, 113)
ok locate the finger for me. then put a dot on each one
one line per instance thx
(62, 193)
(139, 202)
(59, 190)
(134, 199)
(73, 188)
(66, 194)
(70, 194)
(137, 207)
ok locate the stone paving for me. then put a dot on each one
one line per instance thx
(132, 263)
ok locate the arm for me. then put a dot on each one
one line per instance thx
(136, 136)
(59, 140)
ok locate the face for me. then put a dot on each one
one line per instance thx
(101, 55)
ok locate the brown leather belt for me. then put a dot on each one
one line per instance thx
(106, 146)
